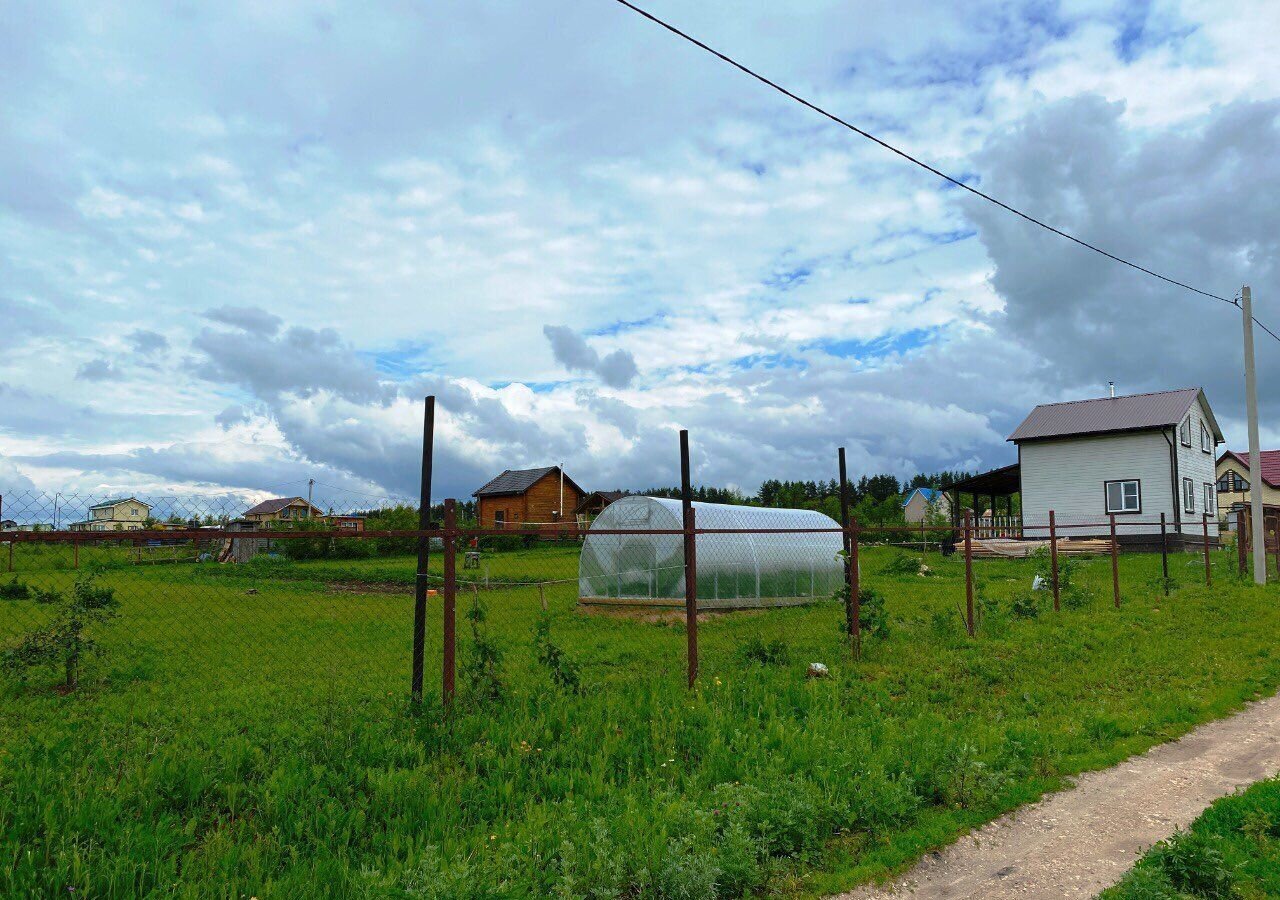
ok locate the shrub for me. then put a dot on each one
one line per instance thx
(14, 590)
(63, 643)
(902, 565)
(1026, 606)
(483, 665)
(1194, 865)
(687, 873)
(563, 670)
(773, 653)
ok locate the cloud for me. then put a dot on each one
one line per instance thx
(99, 370)
(617, 369)
(1191, 203)
(231, 416)
(299, 360)
(246, 318)
(147, 343)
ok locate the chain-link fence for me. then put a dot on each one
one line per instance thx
(316, 599)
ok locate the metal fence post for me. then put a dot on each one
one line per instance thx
(968, 572)
(1115, 562)
(1277, 534)
(424, 551)
(690, 560)
(1053, 559)
(1164, 551)
(691, 592)
(846, 538)
(1208, 569)
(450, 590)
(854, 582)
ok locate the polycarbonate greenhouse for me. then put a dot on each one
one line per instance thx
(735, 571)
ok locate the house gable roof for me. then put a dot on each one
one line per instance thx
(118, 501)
(930, 495)
(517, 481)
(1135, 412)
(274, 505)
(1270, 460)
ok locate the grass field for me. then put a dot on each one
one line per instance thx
(248, 733)
(1231, 851)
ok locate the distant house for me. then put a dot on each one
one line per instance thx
(921, 501)
(125, 514)
(527, 496)
(1235, 482)
(1135, 457)
(8, 525)
(594, 503)
(283, 509)
(351, 523)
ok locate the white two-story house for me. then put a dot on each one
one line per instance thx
(1136, 457)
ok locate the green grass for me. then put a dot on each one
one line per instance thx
(1232, 850)
(248, 732)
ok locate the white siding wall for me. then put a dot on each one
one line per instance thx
(1067, 476)
(1201, 468)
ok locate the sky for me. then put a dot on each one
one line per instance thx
(240, 242)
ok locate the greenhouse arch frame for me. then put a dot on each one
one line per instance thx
(773, 557)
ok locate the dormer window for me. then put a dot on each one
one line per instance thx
(1206, 439)
(1184, 432)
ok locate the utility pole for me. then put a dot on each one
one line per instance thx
(1255, 451)
(311, 482)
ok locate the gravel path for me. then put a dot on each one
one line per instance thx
(1080, 840)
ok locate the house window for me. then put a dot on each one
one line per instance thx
(1188, 495)
(134, 513)
(1206, 439)
(1231, 482)
(1124, 496)
(1210, 500)
(1184, 432)
(499, 518)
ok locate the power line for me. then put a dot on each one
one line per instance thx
(924, 165)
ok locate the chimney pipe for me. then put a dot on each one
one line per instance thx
(1112, 385)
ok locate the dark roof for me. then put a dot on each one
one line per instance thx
(107, 503)
(274, 505)
(517, 481)
(999, 482)
(605, 497)
(1136, 412)
(1270, 460)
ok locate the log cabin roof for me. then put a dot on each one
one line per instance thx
(518, 481)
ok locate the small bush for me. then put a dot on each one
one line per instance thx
(482, 668)
(688, 873)
(1025, 606)
(773, 653)
(64, 643)
(1194, 865)
(563, 670)
(14, 590)
(902, 565)
(502, 543)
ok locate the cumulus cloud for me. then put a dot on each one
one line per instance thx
(246, 318)
(146, 342)
(616, 369)
(1192, 203)
(298, 360)
(99, 369)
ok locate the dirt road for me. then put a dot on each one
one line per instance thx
(1078, 841)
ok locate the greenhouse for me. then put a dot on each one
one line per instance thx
(735, 571)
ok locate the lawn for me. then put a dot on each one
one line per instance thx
(247, 732)
(1232, 850)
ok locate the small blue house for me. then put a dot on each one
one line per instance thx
(920, 501)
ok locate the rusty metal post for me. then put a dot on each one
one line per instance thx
(1208, 569)
(690, 560)
(691, 593)
(1115, 563)
(10, 554)
(1277, 534)
(1053, 559)
(845, 538)
(854, 606)
(421, 579)
(968, 572)
(75, 553)
(450, 591)
(1164, 551)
